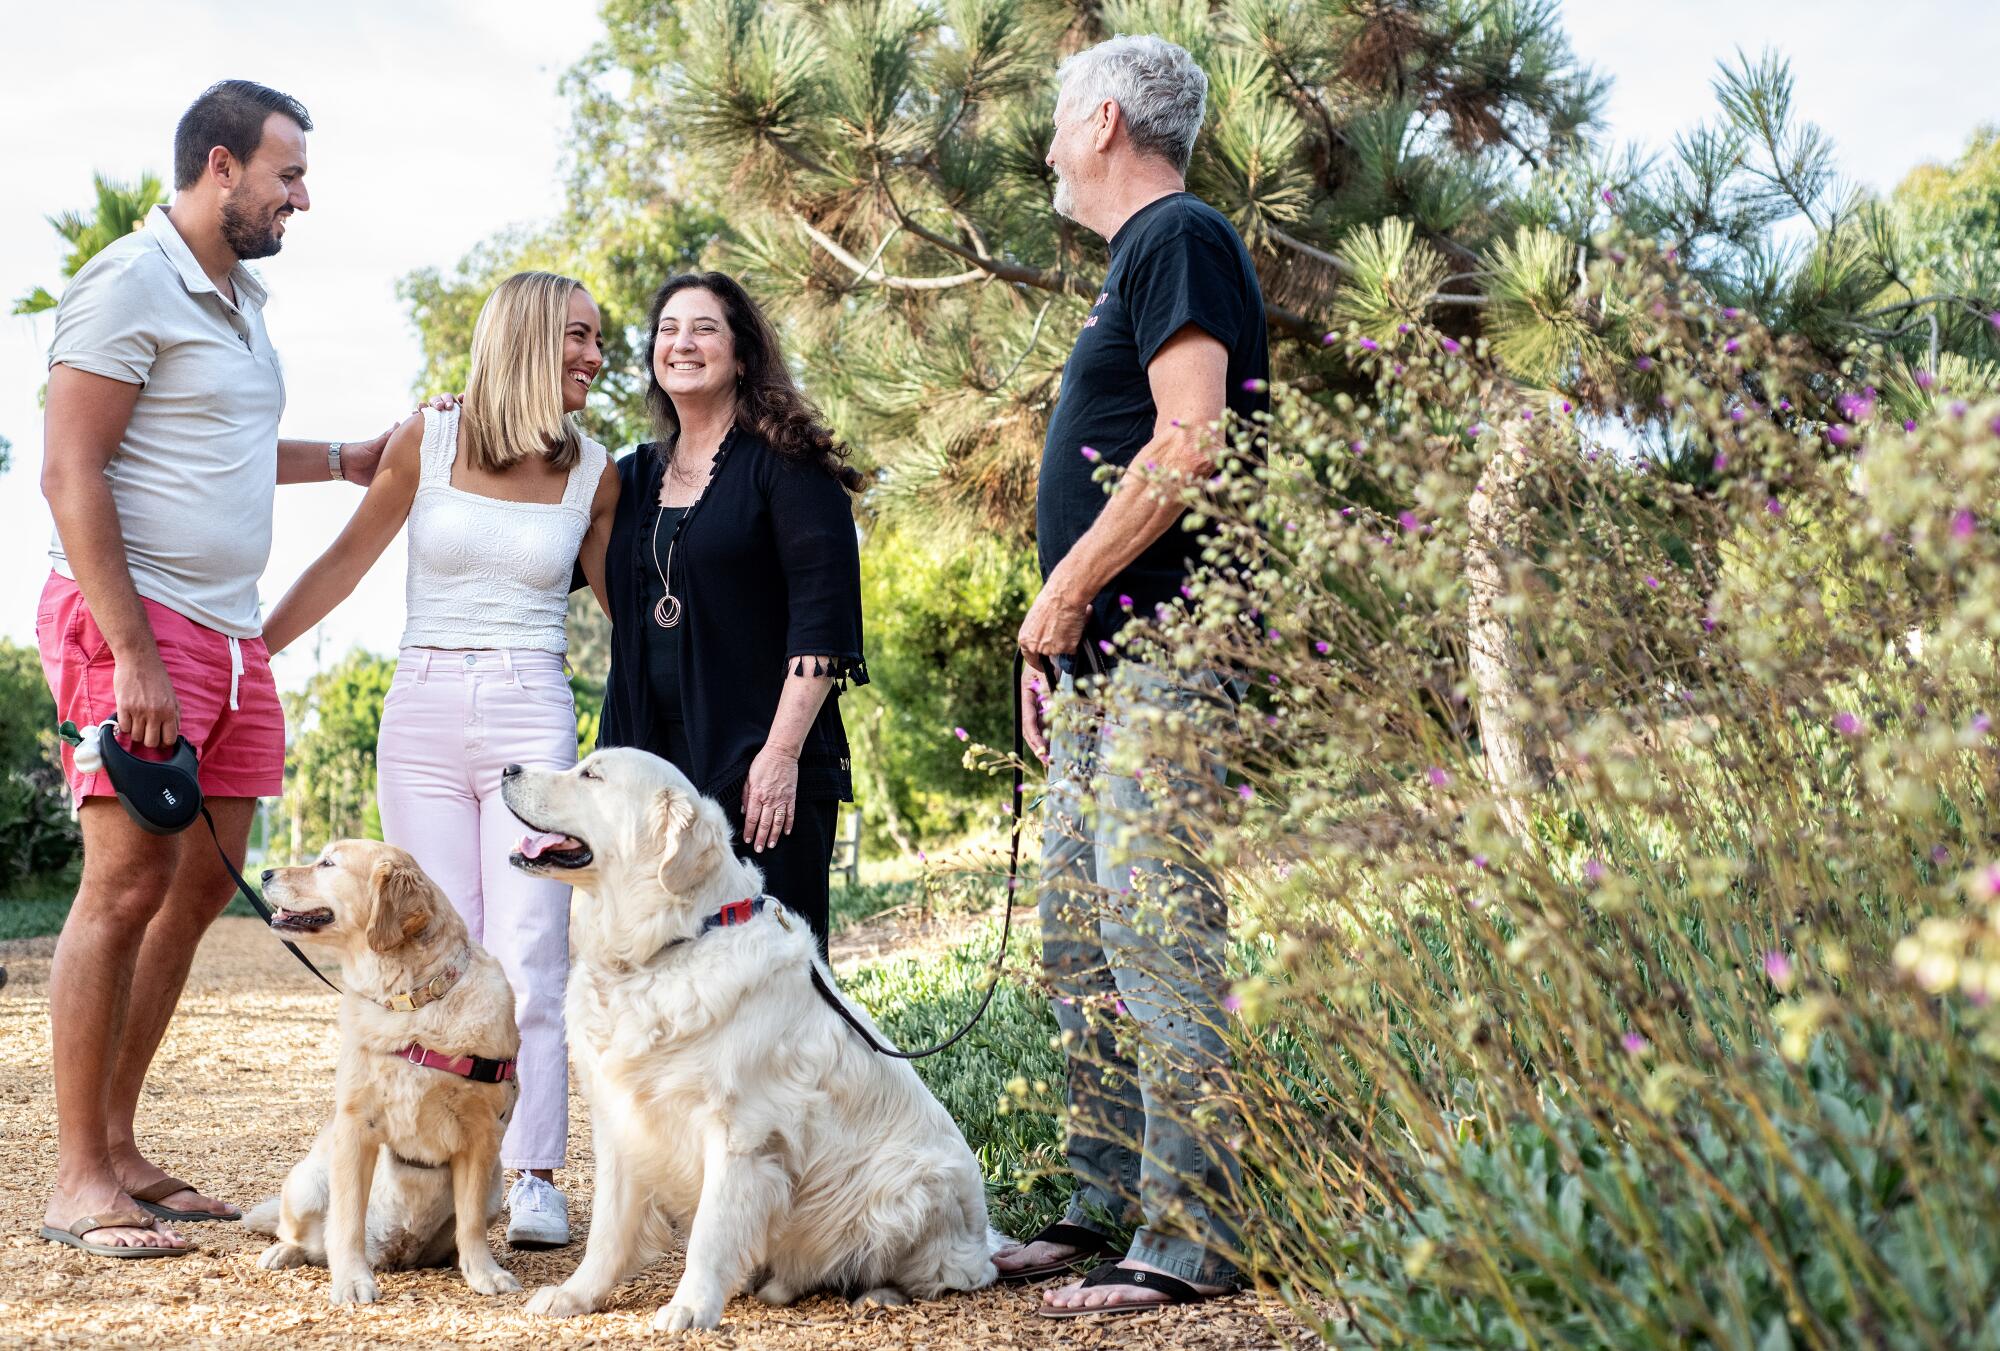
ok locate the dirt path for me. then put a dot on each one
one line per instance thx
(240, 1089)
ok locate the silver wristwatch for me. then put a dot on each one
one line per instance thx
(333, 459)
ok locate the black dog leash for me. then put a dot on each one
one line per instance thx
(257, 902)
(1017, 812)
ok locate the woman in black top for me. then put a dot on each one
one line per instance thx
(734, 576)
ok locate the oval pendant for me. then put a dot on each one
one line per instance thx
(667, 611)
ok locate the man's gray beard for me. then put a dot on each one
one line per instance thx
(245, 237)
(1065, 200)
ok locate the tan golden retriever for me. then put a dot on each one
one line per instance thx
(420, 1145)
(725, 1096)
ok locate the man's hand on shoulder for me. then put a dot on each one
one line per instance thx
(360, 459)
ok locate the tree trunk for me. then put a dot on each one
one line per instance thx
(1516, 764)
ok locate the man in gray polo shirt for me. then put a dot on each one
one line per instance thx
(161, 456)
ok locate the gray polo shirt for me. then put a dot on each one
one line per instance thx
(194, 477)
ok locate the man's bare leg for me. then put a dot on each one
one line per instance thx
(200, 890)
(125, 880)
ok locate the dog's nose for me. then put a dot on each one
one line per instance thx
(510, 771)
(266, 876)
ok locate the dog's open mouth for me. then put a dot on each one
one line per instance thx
(301, 921)
(548, 849)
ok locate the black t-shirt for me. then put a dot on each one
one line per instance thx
(1176, 262)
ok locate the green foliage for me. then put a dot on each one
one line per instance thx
(120, 209)
(1687, 1039)
(38, 836)
(330, 765)
(940, 639)
(27, 710)
(920, 1001)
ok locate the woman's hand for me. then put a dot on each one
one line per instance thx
(770, 795)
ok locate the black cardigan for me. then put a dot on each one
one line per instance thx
(768, 570)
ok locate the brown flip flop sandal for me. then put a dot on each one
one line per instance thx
(1089, 1244)
(74, 1236)
(1176, 1292)
(152, 1194)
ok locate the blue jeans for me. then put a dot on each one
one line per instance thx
(1130, 921)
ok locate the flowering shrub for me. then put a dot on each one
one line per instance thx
(1601, 846)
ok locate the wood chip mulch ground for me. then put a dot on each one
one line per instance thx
(238, 1092)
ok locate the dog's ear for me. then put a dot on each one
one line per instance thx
(399, 903)
(686, 838)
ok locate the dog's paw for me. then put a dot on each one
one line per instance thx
(881, 1297)
(684, 1314)
(492, 1280)
(281, 1257)
(556, 1301)
(353, 1288)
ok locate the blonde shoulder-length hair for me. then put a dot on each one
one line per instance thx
(513, 405)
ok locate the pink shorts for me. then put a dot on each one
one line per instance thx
(228, 702)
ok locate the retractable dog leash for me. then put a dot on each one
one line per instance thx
(163, 797)
(1015, 813)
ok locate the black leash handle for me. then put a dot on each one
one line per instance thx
(1018, 813)
(257, 902)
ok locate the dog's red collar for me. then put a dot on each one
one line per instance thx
(735, 913)
(476, 1068)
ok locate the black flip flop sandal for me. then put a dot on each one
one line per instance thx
(1176, 1292)
(151, 1196)
(1089, 1245)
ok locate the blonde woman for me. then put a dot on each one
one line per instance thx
(503, 496)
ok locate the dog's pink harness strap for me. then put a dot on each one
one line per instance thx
(464, 1066)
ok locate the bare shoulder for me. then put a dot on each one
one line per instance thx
(606, 496)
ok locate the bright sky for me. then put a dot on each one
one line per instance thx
(439, 124)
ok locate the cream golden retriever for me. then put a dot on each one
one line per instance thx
(420, 1145)
(725, 1096)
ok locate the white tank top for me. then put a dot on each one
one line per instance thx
(486, 573)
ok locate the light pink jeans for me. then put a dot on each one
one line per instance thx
(450, 722)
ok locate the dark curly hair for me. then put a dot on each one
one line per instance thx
(768, 401)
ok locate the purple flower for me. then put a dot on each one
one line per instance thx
(1784, 405)
(1925, 379)
(960, 733)
(1940, 854)
(1185, 593)
(1408, 520)
(1994, 318)
(1720, 462)
(1963, 523)
(1322, 647)
(1370, 345)
(1594, 870)
(1232, 1003)
(1846, 724)
(1273, 635)
(1124, 602)
(1992, 879)
(1732, 347)
(1909, 424)
(1774, 506)
(1837, 435)
(1437, 777)
(1605, 193)
(1707, 624)
(1736, 415)
(1778, 967)
(1104, 646)
(1330, 339)
(1450, 345)
(1634, 1044)
(1402, 328)
(1088, 453)
(1118, 1007)
(1479, 861)
(1958, 408)
(1981, 723)
(1254, 385)
(1652, 581)
(1731, 312)
(1272, 679)
(1644, 363)
(1566, 407)
(1245, 791)
(1527, 416)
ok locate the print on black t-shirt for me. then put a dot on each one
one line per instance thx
(1176, 262)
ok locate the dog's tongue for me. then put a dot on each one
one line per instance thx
(533, 846)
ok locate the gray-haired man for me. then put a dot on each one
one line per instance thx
(1175, 337)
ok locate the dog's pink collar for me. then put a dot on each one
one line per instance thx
(477, 1068)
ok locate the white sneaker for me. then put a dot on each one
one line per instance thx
(537, 1214)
